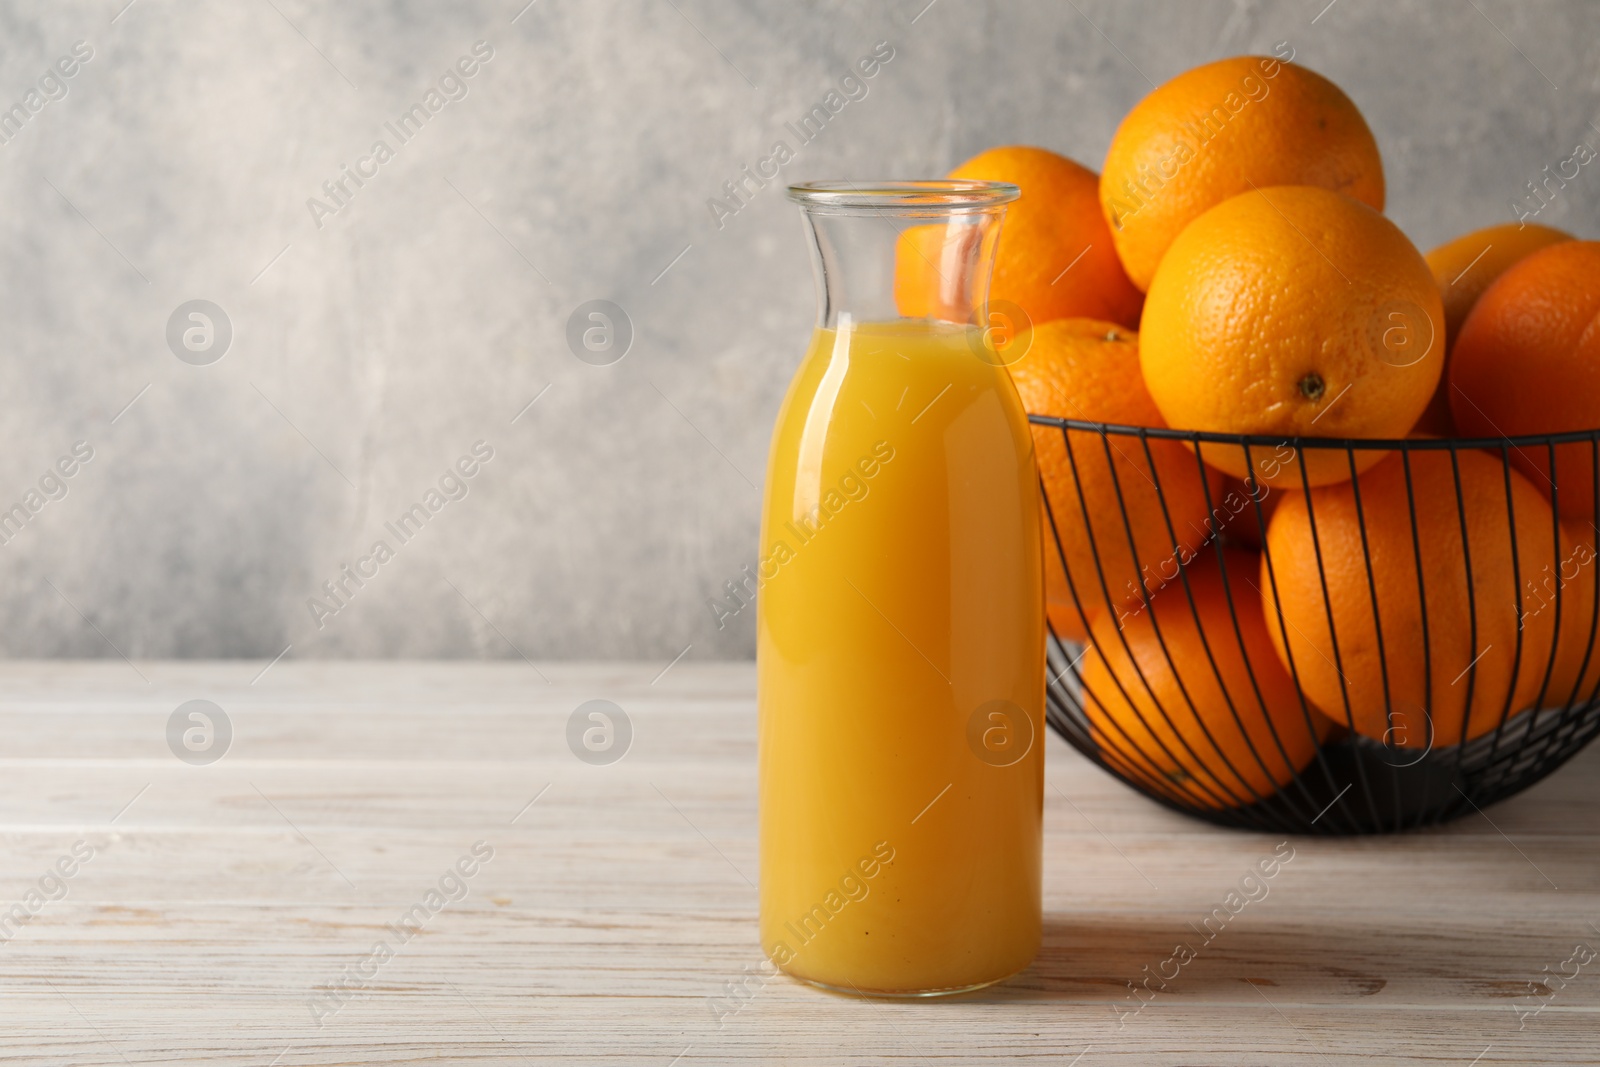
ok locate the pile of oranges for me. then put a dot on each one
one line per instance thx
(1230, 271)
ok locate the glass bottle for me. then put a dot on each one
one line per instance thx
(900, 614)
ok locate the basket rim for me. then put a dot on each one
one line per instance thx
(1342, 444)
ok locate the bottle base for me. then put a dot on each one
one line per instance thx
(908, 994)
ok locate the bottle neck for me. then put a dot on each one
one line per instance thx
(884, 265)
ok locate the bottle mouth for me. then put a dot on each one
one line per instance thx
(933, 197)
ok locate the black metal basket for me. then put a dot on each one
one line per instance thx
(1159, 673)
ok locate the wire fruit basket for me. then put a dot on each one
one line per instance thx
(1340, 636)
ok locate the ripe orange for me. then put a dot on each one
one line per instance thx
(1528, 362)
(1474, 646)
(1055, 259)
(1223, 129)
(1220, 736)
(1578, 639)
(1463, 269)
(1275, 313)
(1089, 369)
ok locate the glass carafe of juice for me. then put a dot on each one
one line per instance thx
(900, 614)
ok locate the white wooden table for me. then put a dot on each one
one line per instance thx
(617, 909)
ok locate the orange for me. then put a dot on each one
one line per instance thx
(1463, 269)
(1227, 128)
(1219, 736)
(1572, 584)
(1089, 369)
(1474, 647)
(1528, 362)
(1292, 311)
(1055, 259)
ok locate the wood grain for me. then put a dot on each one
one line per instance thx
(619, 908)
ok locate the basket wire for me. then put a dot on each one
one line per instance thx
(1352, 784)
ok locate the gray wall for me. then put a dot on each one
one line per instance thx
(422, 316)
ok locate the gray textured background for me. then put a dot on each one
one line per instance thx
(422, 317)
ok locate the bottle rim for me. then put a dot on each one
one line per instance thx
(934, 196)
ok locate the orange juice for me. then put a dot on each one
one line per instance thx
(901, 666)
